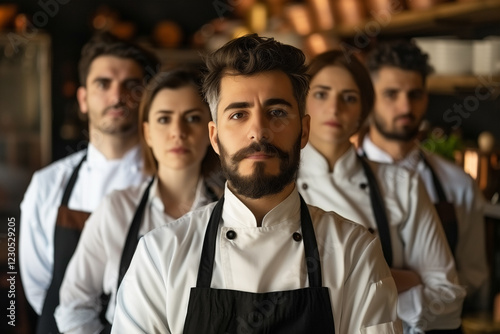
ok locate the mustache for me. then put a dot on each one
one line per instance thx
(116, 106)
(410, 116)
(260, 147)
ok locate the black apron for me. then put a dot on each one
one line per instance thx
(221, 311)
(69, 225)
(444, 208)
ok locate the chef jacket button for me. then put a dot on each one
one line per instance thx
(230, 234)
(305, 186)
(297, 237)
(363, 185)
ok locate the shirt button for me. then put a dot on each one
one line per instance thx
(230, 234)
(371, 230)
(363, 185)
(297, 236)
(305, 186)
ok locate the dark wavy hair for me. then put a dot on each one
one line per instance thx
(357, 70)
(252, 54)
(400, 54)
(173, 79)
(105, 44)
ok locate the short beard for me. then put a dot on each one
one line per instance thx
(408, 134)
(126, 127)
(259, 184)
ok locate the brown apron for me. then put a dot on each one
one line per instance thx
(69, 225)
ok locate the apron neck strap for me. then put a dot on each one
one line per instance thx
(205, 269)
(378, 208)
(437, 184)
(133, 235)
(71, 182)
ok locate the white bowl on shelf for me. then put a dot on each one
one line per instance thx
(447, 55)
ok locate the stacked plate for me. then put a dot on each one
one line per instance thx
(447, 55)
(486, 56)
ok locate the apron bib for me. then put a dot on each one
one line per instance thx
(222, 311)
(69, 225)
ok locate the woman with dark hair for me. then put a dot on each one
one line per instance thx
(388, 200)
(177, 153)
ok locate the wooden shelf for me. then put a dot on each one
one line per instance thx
(467, 84)
(438, 20)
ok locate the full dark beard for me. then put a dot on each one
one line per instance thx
(260, 184)
(407, 134)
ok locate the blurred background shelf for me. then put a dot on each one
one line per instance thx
(452, 17)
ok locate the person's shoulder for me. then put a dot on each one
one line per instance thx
(453, 174)
(50, 175)
(189, 226)
(132, 194)
(63, 165)
(331, 223)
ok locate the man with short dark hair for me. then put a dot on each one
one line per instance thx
(260, 260)
(399, 71)
(62, 195)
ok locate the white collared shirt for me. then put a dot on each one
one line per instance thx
(154, 294)
(417, 238)
(93, 269)
(463, 192)
(97, 177)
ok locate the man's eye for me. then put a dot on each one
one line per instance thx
(391, 94)
(416, 95)
(278, 113)
(163, 120)
(236, 115)
(193, 119)
(102, 84)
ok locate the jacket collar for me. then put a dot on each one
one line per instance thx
(237, 214)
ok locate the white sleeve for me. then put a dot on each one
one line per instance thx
(370, 301)
(437, 302)
(79, 296)
(141, 298)
(471, 250)
(34, 261)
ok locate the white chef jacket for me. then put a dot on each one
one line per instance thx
(417, 237)
(97, 177)
(463, 192)
(154, 294)
(94, 267)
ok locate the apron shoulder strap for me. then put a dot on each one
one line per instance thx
(133, 235)
(437, 184)
(71, 183)
(378, 207)
(208, 250)
(313, 263)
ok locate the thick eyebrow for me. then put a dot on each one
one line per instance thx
(238, 105)
(275, 101)
(168, 112)
(322, 87)
(100, 79)
(267, 103)
(349, 90)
